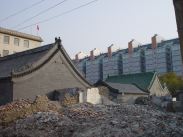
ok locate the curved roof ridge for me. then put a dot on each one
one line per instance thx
(22, 60)
(30, 67)
(44, 59)
(72, 64)
(30, 51)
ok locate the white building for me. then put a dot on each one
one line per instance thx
(13, 41)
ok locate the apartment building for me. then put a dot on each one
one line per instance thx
(13, 41)
(176, 57)
(112, 64)
(94, 66)
(159, 56)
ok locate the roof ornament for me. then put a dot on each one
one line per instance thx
(58, 41)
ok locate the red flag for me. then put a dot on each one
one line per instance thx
(37, 27)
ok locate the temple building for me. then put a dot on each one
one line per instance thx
(38, 71)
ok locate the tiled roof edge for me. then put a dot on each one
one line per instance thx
(30, 51)
(151, 83)
(145, 91)
(67, 57)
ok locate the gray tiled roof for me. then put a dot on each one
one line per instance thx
(126, 88)
(16, 61)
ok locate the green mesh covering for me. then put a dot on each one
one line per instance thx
(141, 80)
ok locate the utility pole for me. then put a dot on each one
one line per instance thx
(178, 5)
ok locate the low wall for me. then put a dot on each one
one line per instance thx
(67, 96)
(128, 98)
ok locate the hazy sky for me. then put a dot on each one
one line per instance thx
(98, 25)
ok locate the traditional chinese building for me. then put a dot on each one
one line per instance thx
(38, 72)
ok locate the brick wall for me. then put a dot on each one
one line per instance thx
(52, 76)
(65, 96)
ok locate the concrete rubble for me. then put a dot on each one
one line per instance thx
(87, 120)
(23, 108)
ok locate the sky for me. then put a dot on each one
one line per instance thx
(97, 25)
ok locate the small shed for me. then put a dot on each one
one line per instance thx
(121, 93)
(147, 82)
(126, 88)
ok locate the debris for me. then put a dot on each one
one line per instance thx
(87, 120)
(23, 108)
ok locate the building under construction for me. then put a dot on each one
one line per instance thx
(159, 56)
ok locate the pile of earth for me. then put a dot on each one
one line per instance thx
(87, 120)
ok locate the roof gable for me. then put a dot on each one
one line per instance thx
(26, 62)
(22, 60)
(141, 80)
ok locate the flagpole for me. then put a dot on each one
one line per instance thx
(37, 28)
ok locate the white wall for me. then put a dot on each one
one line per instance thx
(93, 96)
(13, 48)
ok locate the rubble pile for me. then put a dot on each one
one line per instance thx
(85, 111)
(69, 100)
(14, 110)
(23, 108)
(87, 120)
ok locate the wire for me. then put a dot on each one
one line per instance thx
(64, 13)
(42, 12)
(20, 11)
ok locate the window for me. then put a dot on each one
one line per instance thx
(26, 43)
(5, 52)
(16, 41)
(6, 39)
